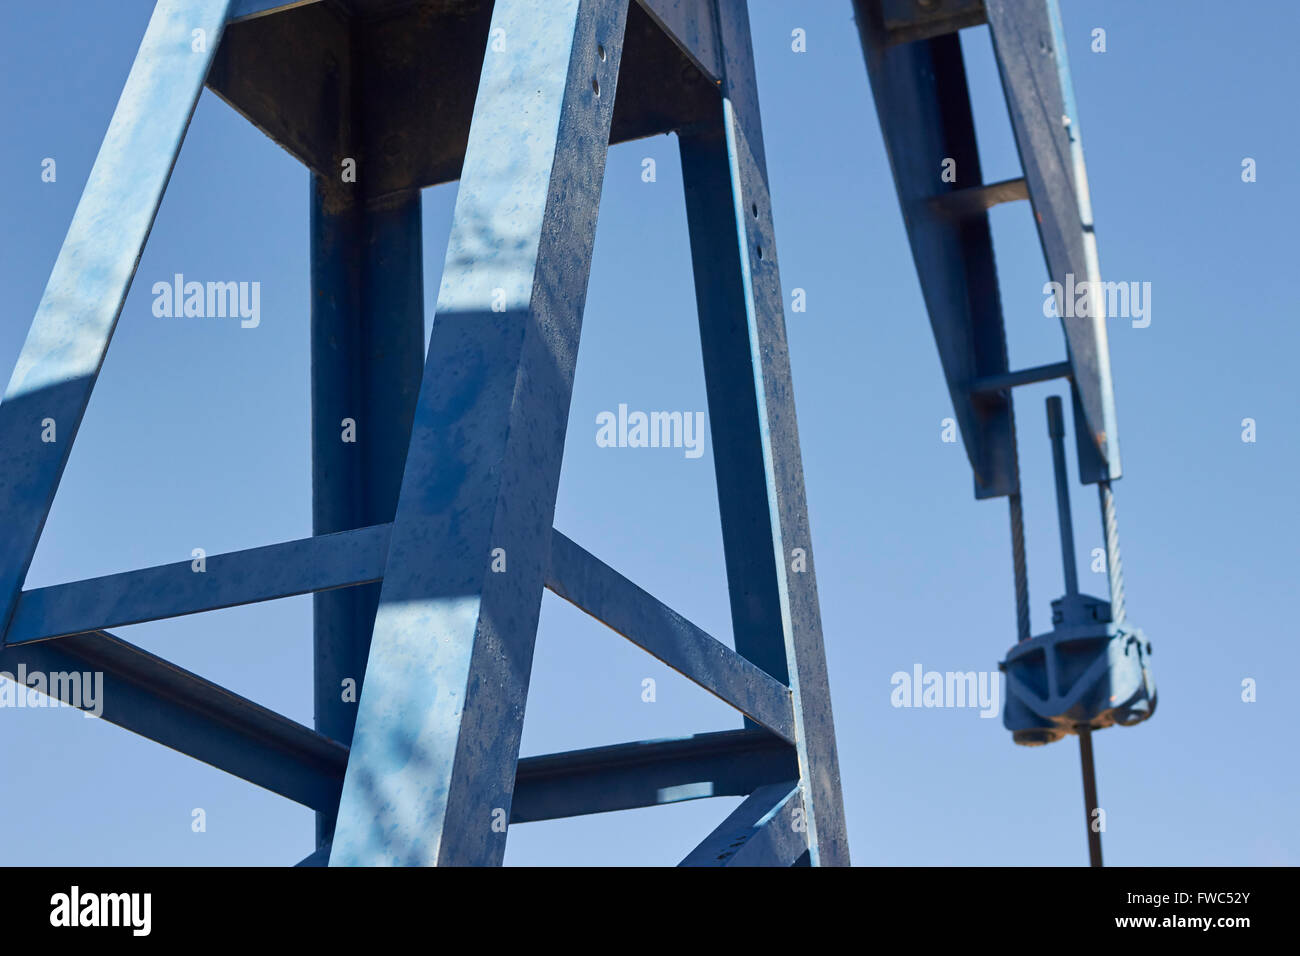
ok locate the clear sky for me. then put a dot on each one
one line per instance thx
(197, 436)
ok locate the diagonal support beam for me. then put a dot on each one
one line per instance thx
(766, 539)
(439, 719)
(60, 361)
(178, 709)
(599, 590)
(304, 566)
(768, 829)
(154, 698)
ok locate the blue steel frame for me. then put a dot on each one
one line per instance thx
(457, 459)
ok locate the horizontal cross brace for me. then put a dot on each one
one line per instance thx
(156, 699)
(963, 203)
(178, 709)
(349, 558)
(599, 590)
(649, 773)
(1027, 376)
(307, 565)
(644, 773)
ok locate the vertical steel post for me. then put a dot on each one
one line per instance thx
(367, 339)
(776, 619)
(734, 405)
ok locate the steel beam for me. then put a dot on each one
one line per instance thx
(768, 829)
(294, 77)
(599, 590)
(1031, 56)
(156, 699)
(367, 337)
(440, 487)
(287, 73)
(766, 539)
(1024, 376)
(649, 773)
(171, 706)
(174, 590)
(350, 559)
(734, 402)
(689, 23)
(437, 734)
(924, 108)
(60, 361)
(907, 21)
(973, 200)
(645, 773)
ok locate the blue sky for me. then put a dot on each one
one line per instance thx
(197, 436)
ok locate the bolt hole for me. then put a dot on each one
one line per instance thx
(760, 252)
(754, 208)
(600, 51)
(595, 86)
